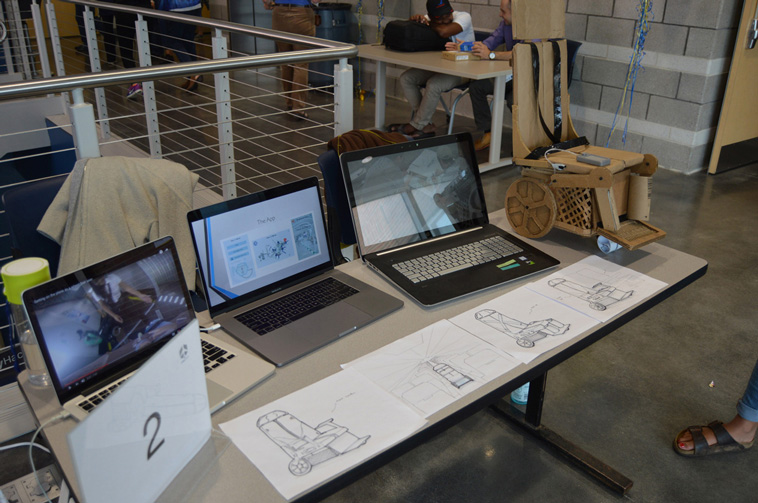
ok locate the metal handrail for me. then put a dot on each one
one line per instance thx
(327, 50)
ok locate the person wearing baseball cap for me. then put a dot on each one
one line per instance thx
(448, 23)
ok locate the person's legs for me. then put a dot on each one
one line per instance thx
(126, 33)
(742, 427)
(109, 38)
(300, 21)
(479, 90)
(411, 81)
(435, 86)
(747, 406)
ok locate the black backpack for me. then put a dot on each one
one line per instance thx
(410, 36)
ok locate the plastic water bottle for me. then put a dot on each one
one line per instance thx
(521, 395)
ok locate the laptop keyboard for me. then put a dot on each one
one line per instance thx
(455, 259)
(294, 306)
(213, 357)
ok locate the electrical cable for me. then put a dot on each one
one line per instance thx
(25, 444)
(62, 415)
(555, 165)
(645, 17)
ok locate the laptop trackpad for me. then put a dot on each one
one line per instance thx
(330, 322)
(217, 394)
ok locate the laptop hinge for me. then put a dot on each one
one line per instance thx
(455, 234)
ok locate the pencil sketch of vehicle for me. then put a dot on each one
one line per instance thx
(599, 297)
(455, 378)
(526, 334)
(306, 445)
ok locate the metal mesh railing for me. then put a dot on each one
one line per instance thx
(233, 129)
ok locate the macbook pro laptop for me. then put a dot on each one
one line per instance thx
(421, 222)
(96, 326)
(268, 273)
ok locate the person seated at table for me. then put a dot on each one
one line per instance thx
(480, 89)
(718, 438)
(448, 24)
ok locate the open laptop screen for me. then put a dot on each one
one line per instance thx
(255, 245)
(408, 192)
(102, 320)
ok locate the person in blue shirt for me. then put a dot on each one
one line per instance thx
(479, 89)
(737, 435)
(458, 27)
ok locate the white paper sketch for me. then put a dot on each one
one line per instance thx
(354, 419)
(598, 296)
(597, 287)
(306, 445)
(523, 323)
(526, 334)
(433, 367)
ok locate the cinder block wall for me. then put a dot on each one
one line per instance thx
(677, 95)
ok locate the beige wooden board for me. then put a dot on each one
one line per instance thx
(538, 19)
(740, 106)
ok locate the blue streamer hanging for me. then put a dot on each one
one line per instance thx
(635, 65)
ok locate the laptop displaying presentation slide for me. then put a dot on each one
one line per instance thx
(268, 277)
(420, 219)
(97, 325)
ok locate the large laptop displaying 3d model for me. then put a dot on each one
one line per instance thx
(268, 275)
(420, 219)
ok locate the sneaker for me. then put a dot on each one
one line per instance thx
(134, 91)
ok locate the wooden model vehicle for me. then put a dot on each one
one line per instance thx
(555, 188)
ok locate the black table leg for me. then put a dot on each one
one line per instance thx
(530, 421)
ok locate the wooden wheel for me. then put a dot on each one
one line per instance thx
(530, 207)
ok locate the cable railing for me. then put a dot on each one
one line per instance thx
(59, 102)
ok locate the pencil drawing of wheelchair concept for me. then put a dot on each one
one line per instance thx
(599, 297)
(525, 333)
(307, 446)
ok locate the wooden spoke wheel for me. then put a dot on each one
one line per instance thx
(530, 207)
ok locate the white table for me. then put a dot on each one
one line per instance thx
(433, 61)
(225, 473)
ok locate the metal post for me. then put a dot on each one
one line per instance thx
(380, 94)
(39, 31)
(343, 97)
(148, 89)
(55, 39)
(224, 119)
(85, 130)
(6, 42)
(18, 27)
(94, 61)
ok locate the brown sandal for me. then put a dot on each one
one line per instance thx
(724, 441)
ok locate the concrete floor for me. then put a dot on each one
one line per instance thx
(624, 398)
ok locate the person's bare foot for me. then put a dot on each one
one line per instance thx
(741, 430)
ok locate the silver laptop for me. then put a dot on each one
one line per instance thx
(97, 325)
(267, 271)
(420, 219)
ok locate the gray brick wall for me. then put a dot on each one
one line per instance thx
(682, 97)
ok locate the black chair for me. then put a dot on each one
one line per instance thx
(25, 206)
(338, 219)
(572, 48)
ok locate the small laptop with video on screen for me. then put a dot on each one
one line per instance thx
(421, 222)
(268, 273)
(98, 325)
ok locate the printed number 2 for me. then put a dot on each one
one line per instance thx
(150, 449)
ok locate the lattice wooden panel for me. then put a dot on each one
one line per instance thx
(574, 210)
